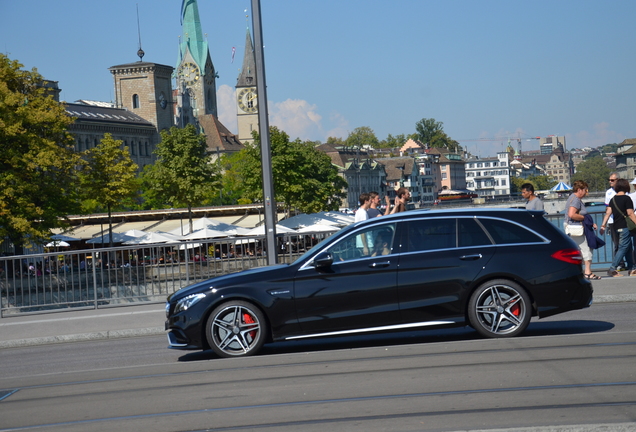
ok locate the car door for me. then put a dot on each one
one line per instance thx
(439, 259)
(358, 291)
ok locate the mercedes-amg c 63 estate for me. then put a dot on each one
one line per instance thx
(491, 269)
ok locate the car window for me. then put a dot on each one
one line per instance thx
(471, 233)
(371, 242)
(430, 234)
(504, 232)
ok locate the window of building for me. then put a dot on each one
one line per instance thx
(135, 101)
(487, 164)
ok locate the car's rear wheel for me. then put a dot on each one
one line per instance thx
(235, 329)
(499, 308)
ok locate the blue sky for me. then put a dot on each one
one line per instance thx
(485, 68)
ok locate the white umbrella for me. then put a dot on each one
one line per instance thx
(59, 243)
(117, 238)
(204, 222)
(260, 230)
(205, 233)
(318, 228)
(135, 233)
(185, 246)
(303, 220)
(154, 237)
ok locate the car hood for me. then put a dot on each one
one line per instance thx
(252, 274)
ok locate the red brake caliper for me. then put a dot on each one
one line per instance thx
(515, 309)
(247, 319)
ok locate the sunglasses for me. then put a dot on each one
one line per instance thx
(612, 179)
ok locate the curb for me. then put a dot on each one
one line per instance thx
(83, 337)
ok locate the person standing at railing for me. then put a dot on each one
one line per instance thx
(609, 194)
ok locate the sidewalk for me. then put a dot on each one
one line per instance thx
(148, 319)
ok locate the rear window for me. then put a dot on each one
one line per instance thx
(471, 233)
(504, 232)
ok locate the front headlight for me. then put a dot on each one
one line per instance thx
(187, 302)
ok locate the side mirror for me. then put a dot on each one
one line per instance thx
(323, 260)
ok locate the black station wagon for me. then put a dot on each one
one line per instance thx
(491, 269)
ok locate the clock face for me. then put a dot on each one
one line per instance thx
(189, 72)
(247, 100)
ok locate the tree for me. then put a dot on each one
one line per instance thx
(362, 136)
(594, 172)
(183, 175)
(304, 178)
(109, 176)
(396, 141)
(232, 185)
(431, 133)
(38, 181)
(335, 141)
(540, 182)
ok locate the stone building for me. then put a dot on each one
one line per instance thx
(360, 171)
(626, 159)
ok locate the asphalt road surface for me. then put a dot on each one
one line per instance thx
(577, 368)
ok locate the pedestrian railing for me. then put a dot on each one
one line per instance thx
(104, 277)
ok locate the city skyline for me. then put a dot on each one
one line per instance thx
(483, 68)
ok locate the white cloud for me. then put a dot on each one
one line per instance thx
(298, 118)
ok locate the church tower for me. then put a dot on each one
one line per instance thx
(246, 97)
(195, 75)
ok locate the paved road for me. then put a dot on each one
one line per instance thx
(572, 369)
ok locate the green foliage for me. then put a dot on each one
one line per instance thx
(431, 133)
(232, 185)
(183, 175)
(609, 148)
(396, 141)
(335, 141)
(304, 178)
(362, 136)
(38, 182)
(540, 182)
(594, 172)
(109, 176)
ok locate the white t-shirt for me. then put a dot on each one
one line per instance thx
(609, 194)
(361, 214)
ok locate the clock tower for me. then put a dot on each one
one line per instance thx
(246, 97)
(195, 75)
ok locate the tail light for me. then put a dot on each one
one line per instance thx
(572, 256)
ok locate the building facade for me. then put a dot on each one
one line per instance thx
(626, 159)
(489, 177)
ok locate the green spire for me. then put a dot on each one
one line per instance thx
(192, 38)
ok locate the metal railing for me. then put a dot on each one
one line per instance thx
(105, 277)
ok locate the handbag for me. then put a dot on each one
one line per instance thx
(631, 226)
(574, 230)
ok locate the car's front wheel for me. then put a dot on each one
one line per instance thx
(499, 308)
(235, 329)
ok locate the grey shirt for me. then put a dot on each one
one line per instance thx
(574, 201)
(534, 204)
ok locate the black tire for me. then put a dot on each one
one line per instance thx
(236, 328)
(499, 308)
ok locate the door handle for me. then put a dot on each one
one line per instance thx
(380, 264)
(471, 257)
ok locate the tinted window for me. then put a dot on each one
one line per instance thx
(504, 232)
(374, 241)
(471, 234)
(429, 234)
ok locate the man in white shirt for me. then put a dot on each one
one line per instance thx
(365, 203)
(609, 194)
